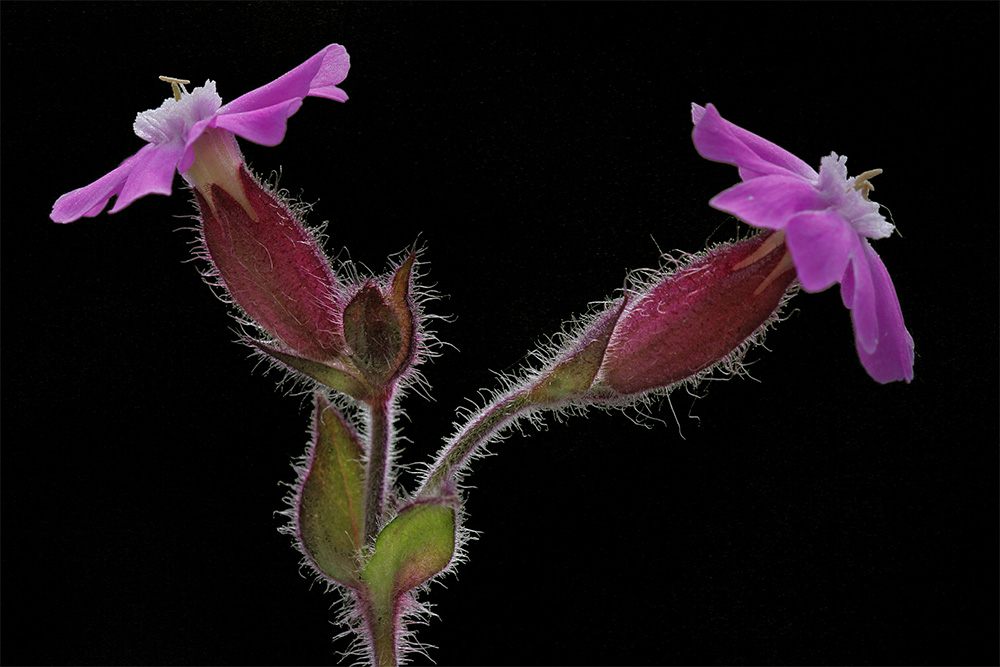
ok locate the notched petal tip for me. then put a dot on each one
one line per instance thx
(717, 139)
(316, 77)
(333, 70)
(90, 200)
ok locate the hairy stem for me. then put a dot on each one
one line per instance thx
(380, 621)
(378, 463)
(485, 424)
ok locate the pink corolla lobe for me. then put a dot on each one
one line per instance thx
(827, 221)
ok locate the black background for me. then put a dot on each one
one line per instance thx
(539, 151)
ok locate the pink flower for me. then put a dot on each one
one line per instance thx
(827, 220)
(259, 250)
(172, 130)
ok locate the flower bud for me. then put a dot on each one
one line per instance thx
(382, 340)
(698, 316)
(379, 328)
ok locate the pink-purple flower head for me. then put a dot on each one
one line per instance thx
(826, 219)
(172, 130)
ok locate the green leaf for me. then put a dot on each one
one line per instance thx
(331, 506)
(415, 546)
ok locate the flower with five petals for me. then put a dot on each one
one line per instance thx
(172, 132)
(825, 219)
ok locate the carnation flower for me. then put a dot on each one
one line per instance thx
(826, 221)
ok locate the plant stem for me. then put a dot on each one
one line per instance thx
(482, 426)
(378, 463)
(380, 619)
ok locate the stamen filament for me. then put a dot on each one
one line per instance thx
(765, 249)
(784, 264)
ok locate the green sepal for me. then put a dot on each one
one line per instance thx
(338, 379)
(412, 548)
(575, 374)
(331, 503)
(400, 301)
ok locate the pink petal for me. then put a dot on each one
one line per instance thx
(718, 139)
(317, 76)
(821, 243)
(893, 357)
(263, 126)
(91, 199)
(769, 201)
(857, 289)
(152, 173)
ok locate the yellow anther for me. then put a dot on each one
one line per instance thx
(862, 183)
(175, 84)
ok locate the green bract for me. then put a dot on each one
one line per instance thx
(414, 547)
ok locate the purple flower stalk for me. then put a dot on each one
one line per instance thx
(826, 220)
